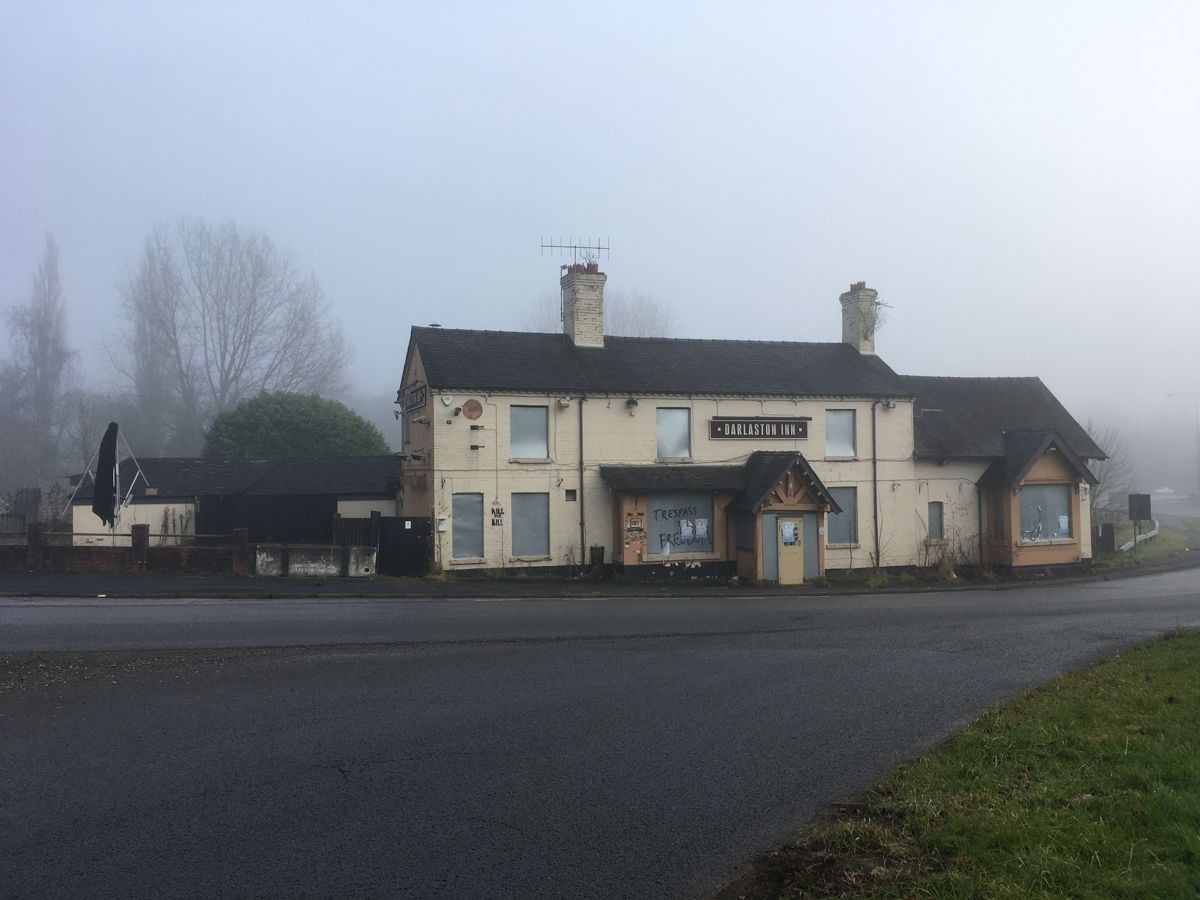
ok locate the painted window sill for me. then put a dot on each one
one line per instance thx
(842, 546)
(468, 561)
(524, 559)
(672, 459)
(935, 542)
(529, 460)
(1049, 542)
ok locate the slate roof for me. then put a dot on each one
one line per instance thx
(674, 477)
(458, 359)
(752, 480)
(182, 477)
(764, 468)
(1022, 450)
(968, 417)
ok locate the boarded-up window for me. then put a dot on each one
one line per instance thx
(679, 522)
(527, 432)
(839, 432)
(674, 433)
(1045, 512)
(531, 524)
(937, 531)
(842, 528)
(466, 511)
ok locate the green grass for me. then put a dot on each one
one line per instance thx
(1166, 544)
(1087, 787)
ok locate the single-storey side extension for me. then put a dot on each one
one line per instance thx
(283, 500)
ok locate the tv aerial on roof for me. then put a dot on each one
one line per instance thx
(584, 249)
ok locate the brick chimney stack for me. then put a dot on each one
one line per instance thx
(583, 303)
(859, 314)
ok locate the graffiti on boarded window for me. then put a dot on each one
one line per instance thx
(679, 522)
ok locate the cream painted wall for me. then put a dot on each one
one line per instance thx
(954, 485)
(167, 518)
(612, 435)
(362, 509)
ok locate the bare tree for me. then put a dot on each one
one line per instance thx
(626, 313)
(33, 382)
(1115, 474)
(215, 316)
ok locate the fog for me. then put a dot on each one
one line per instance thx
(1018, 180)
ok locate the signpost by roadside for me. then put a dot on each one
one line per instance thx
(1139, 511)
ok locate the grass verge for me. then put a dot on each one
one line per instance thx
(1086, 787)
(1164, 545)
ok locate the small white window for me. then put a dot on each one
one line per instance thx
(839, 432)
(674, 433)
(527, 434)
(937, 530)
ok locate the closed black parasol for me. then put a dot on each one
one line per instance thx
(104, 496)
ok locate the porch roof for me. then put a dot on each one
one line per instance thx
(752, 481)
(1021, 451)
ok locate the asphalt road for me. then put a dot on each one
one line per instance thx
(539, 748)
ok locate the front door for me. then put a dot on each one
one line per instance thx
(790, 531)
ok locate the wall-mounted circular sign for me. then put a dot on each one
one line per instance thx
(472, 409)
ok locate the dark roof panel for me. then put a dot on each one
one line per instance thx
(344, 476)
(549, 363)
(674, 477)
(181, 477)
(968, 417)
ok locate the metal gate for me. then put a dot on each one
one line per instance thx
(403, 544)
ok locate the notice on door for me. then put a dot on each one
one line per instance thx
(789, 533)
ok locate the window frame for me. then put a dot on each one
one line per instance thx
(852, 518)
(512, 536)
(455, 518)
(512, 454)
(705, 506)
(940, 537)
(658, 441)
(1068, 538)
(853, 454)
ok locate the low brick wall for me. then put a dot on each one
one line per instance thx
(314, 560)
(232, 558)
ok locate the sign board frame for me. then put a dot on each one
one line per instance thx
(755, 428)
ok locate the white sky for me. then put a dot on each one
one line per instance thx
(1021, 181)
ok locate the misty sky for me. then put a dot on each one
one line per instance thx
(1021, 181)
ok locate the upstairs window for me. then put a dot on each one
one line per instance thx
(839, 433)
(528, 428)
(937, 530)
(674, 433)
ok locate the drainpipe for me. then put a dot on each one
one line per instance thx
(875, 476)
(582, 494)
(982, 517)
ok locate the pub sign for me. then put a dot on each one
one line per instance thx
(758, 428)
(415, 397)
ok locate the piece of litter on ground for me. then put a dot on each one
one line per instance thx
(102, 596)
